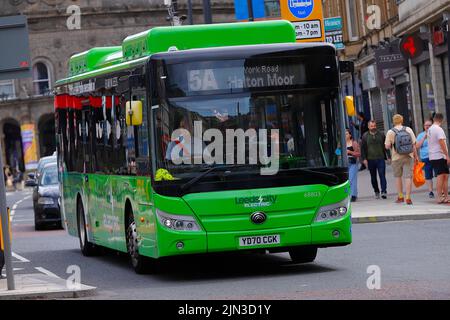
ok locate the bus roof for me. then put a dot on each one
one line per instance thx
(163, 39)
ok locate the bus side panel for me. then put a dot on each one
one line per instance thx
(145, 217)
(119, 197)
(124, 189)
(100, 210)
(72, 185)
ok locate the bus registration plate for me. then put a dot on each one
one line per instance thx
(259, 240)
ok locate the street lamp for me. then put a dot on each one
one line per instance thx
(250, 10)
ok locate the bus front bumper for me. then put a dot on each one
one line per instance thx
(324, 234)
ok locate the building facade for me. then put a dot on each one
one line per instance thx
(429, 72)
(387, 82)
(57, 30)
(368, 27)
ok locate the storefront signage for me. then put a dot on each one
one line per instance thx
(369, 78)
(438, 36)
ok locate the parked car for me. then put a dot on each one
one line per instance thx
(34, 176)
(46, 198)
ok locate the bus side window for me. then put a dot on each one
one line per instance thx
(80, 127)
(118, 159)
(143, 141)
(71, 136)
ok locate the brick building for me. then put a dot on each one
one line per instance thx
(414, 88)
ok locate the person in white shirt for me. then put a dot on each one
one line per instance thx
(439, 158)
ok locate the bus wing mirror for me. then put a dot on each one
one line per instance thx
(134, 113)
(350, 105)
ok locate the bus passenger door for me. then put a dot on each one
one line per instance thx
(85, 168)
(143, 196)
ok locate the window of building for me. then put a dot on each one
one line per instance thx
(41, 79)
(7, 90)
(272, 8)
(426, 89)
(352, 20)
(446, 71)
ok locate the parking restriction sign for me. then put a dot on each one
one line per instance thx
(307, 18)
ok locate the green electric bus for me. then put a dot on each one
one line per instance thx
(118, 110)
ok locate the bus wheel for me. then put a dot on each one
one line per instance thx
(87, 249)
(141, 264)
(303, 254)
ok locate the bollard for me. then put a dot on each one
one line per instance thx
(2, 255)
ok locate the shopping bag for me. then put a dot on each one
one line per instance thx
(418, 175)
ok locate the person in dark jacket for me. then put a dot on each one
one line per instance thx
(363, 127)
(374, 155)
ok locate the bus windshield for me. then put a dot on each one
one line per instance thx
(307, 125)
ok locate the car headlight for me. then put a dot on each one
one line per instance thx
(178, 223)
(46, 200)
(333, 211)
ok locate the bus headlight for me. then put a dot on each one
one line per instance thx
(178, 223)
(333, 211)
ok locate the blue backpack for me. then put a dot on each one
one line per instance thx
(403, 141)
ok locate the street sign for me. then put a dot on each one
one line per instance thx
(333, 32)
(307, 18)
(411, 46)
(15, 52)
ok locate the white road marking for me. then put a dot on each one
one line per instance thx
(14, 207)
(20, 258)
(45, 271)
(24, 220)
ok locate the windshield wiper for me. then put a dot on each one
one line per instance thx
(320, 173)
(205, 173)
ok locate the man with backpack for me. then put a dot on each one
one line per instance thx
(401, 141)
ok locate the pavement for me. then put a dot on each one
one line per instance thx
(367, 209)
(41, 286)
(28, 283)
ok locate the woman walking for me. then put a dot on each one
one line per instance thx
(422, 147)
(353, 153)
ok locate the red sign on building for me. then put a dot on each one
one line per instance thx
(411, 46)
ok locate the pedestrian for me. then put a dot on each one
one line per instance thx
(2, 255)
(374, 156)
(362, 128)
(2, 261)
(422, 146)
(8, 177)
(353, 153)
(439, 158)
(401, 140)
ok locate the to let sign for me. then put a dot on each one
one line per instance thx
(307, 18)
(333, 32)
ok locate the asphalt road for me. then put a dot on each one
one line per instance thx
(413, 259)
